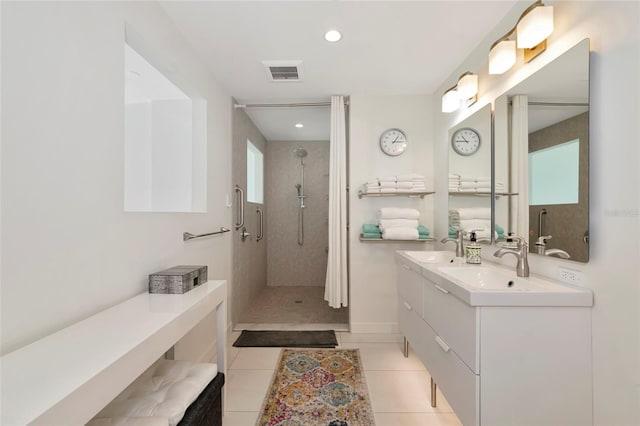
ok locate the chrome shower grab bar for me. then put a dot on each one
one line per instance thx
(187, 236)
(240, 212)
(260, 225)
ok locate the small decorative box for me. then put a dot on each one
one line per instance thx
(177, 280)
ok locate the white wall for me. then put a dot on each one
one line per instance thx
(68, 248)
(613, 271)
(372, 279)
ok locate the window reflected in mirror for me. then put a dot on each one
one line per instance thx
(553, 174)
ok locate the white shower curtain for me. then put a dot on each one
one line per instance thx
(520, 160)
(336, 291)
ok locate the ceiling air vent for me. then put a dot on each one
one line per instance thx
(284, 71)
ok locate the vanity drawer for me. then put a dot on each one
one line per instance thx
(455, 321)
(410, 285)
(457, 382)
(412, 327)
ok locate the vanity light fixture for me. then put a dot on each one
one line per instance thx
(450, 100)
(332, 36)
(531, 32)
(463, 93)
(468, 85)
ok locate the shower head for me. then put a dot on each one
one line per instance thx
(300, 152)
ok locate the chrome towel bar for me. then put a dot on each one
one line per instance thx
(187, 236)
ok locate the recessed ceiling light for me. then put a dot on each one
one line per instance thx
(332, 36)
(299, 125)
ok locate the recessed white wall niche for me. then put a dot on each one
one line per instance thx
(165, 136)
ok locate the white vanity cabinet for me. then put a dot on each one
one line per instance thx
(498, 365)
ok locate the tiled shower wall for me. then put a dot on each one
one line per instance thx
(289, 264)
(249, 256)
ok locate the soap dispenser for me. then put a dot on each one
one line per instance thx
(472, 250)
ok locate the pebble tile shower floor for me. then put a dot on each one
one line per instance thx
(298, 305)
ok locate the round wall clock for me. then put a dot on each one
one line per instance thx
(393, 142)
(465, 141)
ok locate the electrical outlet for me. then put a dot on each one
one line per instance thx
(570, 276)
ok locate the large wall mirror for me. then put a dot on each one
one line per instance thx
(542, 147)
(470, 176)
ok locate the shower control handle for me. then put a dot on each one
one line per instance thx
(244, 234)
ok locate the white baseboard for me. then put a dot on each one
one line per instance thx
(374, 327)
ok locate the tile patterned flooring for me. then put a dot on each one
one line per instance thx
(398, 387)
(295, 305)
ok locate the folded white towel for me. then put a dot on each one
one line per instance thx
(398, 213)
(454, 189)
(419, 186)
(400, 234)
(484, 190)
(409, 177)
(454, 176)
(397, 223)
(388, 189)
(467, 178)
(482, 228)
(372, 190)
(468, 190)
(388, 184)
(406, 185)
(475, 213)
(483, 179)
(372, 185)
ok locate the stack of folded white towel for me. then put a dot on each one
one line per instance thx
(399, 223)
(459, 183)
(475, 218)
(454, 183)
(401, 183)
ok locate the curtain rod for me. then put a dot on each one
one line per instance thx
(291, 105)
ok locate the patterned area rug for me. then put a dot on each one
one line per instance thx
(318, 387)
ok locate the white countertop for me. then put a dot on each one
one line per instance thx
(68, 376)
(438, 266)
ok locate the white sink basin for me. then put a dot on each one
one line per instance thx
(432, 256)
(495, 286)
(482, 278)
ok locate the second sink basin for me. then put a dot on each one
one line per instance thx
(489, 279)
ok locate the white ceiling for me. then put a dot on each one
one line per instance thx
(388, 48)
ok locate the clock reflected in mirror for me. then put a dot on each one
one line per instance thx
(465, 141)
(393, 142)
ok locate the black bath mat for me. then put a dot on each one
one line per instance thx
(287, 339)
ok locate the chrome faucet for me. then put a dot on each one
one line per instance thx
(459, 240)
(522, 267)
(541, 249)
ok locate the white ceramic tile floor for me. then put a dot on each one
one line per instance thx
(398, 387)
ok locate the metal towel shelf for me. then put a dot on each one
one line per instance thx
(187, 236)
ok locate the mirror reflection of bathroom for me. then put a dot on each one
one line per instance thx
(470, 178)
(548, 113)
(281, 278)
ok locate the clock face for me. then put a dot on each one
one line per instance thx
(465, 141)
(393, 142)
